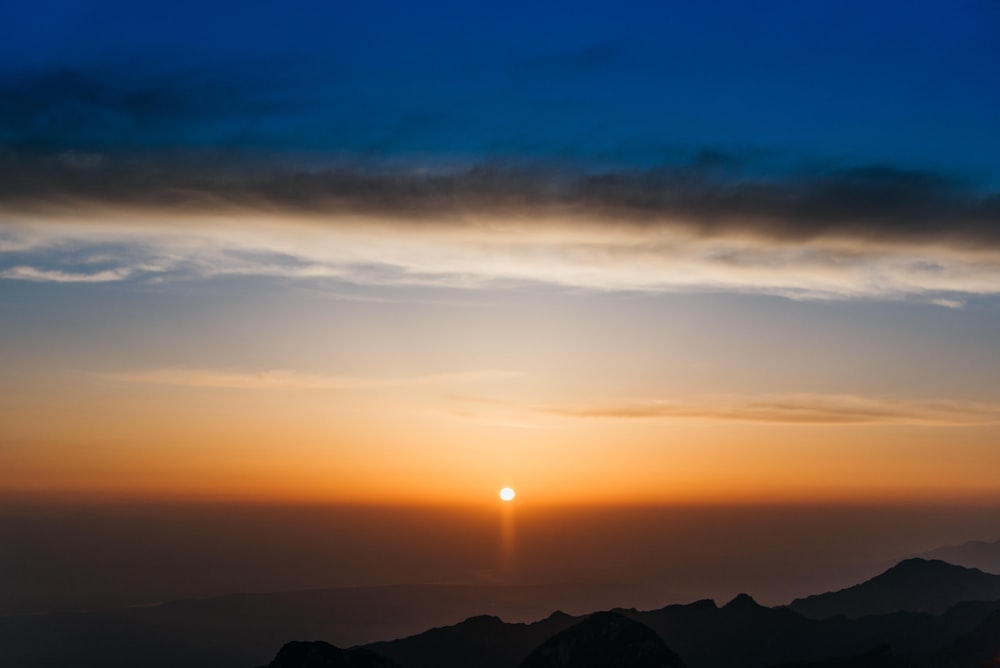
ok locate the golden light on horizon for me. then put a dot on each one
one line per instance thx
(507, 494)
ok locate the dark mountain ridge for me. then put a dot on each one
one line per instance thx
(484, 641)
(704, 635)
(914, 585)
(614, 639)
(604, 640)
(972, 554)
(319, 654)
(243, 630)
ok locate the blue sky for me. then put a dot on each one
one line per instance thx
(670, 242)
(762, 87)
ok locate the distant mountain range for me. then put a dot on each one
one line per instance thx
(973, 554)
(918, 614)
(916, 585)
(599, 640)
(740, 633)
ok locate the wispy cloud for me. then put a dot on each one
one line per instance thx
(792, 409)
(491, 252)
(26, 273)
(287, 380)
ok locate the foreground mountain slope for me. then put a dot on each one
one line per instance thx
(604, 640)
(318, 654)
(478, 642)
(979, 648)
(916, 585)
(877, 657)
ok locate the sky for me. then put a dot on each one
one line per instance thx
(410, 253)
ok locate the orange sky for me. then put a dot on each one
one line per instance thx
(580, 361)
(426, 443)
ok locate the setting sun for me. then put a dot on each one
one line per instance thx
(507, 494)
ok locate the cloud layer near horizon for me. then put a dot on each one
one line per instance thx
(287, 380)
(872, 233)
(790, 409)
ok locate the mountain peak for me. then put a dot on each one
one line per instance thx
(742, 602)
(919, 565)
(981, 554)
(483, 620)
(319, 654)
(604, 640)
(914, 585)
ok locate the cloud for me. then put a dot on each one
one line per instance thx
(948, 303)
(792, 409)
(287, 380)
(876, 203)
(873, 233)
(492, 252)
(25, 273)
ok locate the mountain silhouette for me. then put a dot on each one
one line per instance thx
(878, 657)
(318, 654)
(917, 585)
(972, 554)
(745, 633)
(482, 642)
(246, 630)
(740, 633)
(604, 640)
(979, 648)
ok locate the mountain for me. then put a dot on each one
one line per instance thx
(979, 648)
(604, 640)
(877, 657)
(745, 633)
(917, 585)
(245, 630)
(318, 654)
(740, 633)
(973, 554)
(240, 630)
(481, 642)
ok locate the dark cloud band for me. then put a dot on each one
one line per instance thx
(875, 203)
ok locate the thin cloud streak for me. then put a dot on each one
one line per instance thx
(35, 274)
(287, 380)
(792, 409)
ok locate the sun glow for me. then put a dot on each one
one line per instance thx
(507, 494)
